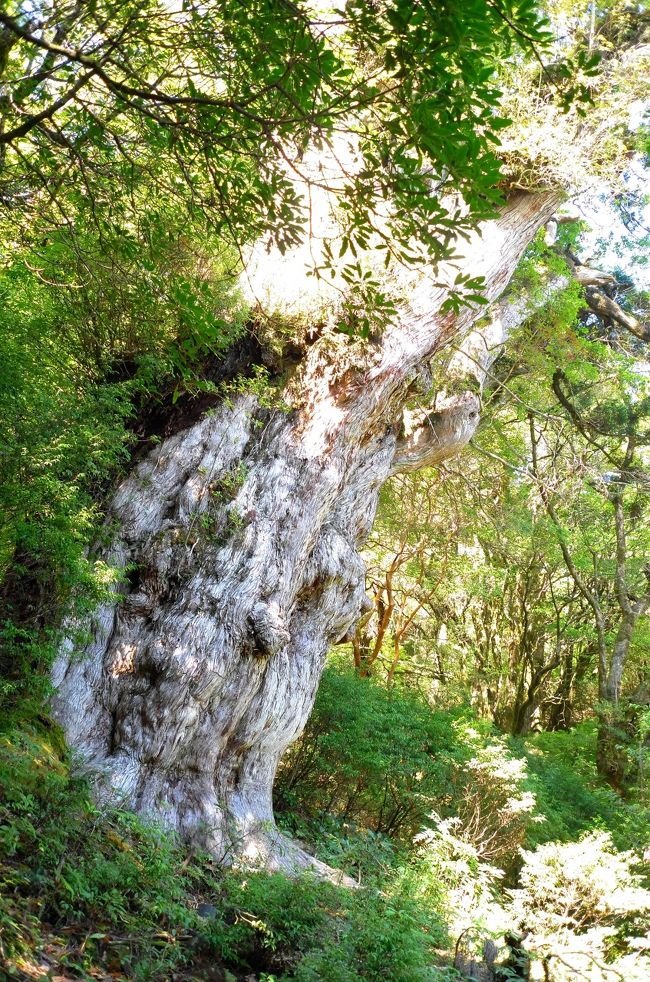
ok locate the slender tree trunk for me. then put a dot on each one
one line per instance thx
(243, 532)
(525, 711)
(561, 713)
(611, 759)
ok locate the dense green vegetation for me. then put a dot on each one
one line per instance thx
(80, 360)
(99, 893)
(102, 891)
(473, 760)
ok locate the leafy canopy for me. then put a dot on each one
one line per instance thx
(215, 103)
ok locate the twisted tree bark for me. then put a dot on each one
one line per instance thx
(242, 536)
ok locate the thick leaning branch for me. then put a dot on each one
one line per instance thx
(608, 309)
(598, 285)
(432, 435)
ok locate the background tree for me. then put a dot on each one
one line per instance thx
(522, 584)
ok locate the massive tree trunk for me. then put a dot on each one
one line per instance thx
(241, 534)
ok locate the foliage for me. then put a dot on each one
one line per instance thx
(539, 793)
(492, 804)
(95, 890)
(358, 935)
(579, 885)
(412, 88)
(62, 861)
(521, 579)
(601, 66)
(64, 436)
(563, 776)
(378, 762)
(583, 905)
(370, 757)
(90, 891)
(447, 869)
(91, 326)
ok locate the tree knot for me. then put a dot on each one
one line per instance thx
(267, 627)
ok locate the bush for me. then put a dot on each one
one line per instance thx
(65, 864)
(90, 892)
(493, 803)
(310, 931)
(447, 871)
(377, 758)
(571, 796)
(584, 909)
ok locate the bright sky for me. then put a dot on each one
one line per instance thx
(610, 243)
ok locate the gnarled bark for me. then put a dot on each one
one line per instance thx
(242, 536)
(431, 435)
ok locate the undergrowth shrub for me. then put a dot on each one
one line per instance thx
(90, 892)
(64, 433)
(66, 864)
(584, 909)
(379, 761)
(370, 757)
(368, 856)
(447, 870)
(571, 797)
(310, 931)
(493, 804)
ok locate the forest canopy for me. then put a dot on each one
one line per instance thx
(324, 543)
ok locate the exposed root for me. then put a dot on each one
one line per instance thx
(274, 852)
